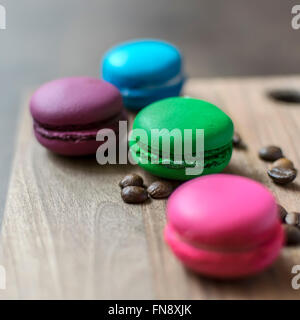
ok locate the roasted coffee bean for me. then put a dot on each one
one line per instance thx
(283, 163)
(292, 235)
(236, 140)
(282, 213)
(282, 175)
(134, 194)
(270, 153)
(285, 95)
(160, 189)
(132, 180)
(293, 218)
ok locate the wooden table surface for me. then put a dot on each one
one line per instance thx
(67, 234)
(49, 39)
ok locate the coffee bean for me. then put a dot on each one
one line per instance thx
(236, 140)
(270, 153)
(282, 175)
(282, 213)
(285, 95)
(292, 235)
(132, 180)
(134, 194)
(293, 218)
(160, 189)
(283, 163)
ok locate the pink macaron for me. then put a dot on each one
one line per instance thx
(69, 112)
(224, 226)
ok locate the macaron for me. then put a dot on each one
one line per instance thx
(144, 71)
(68, 113)
(182, 114)
(224, 226)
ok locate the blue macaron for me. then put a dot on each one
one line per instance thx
(144, 71)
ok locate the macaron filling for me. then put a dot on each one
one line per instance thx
(150, 89)
(212, 158)
(76, 132)
(272, 237)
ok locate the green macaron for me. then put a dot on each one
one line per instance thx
(174, 118)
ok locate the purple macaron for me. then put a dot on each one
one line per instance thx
(69, 112)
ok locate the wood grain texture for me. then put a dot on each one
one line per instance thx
(67, 234)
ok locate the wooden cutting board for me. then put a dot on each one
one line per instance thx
(67, 234)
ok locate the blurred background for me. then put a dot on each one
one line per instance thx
(48, 39)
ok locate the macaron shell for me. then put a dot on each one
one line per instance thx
(225, 264)
(223, 211)
(187, 113)
(72, 101)
(141, 62)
